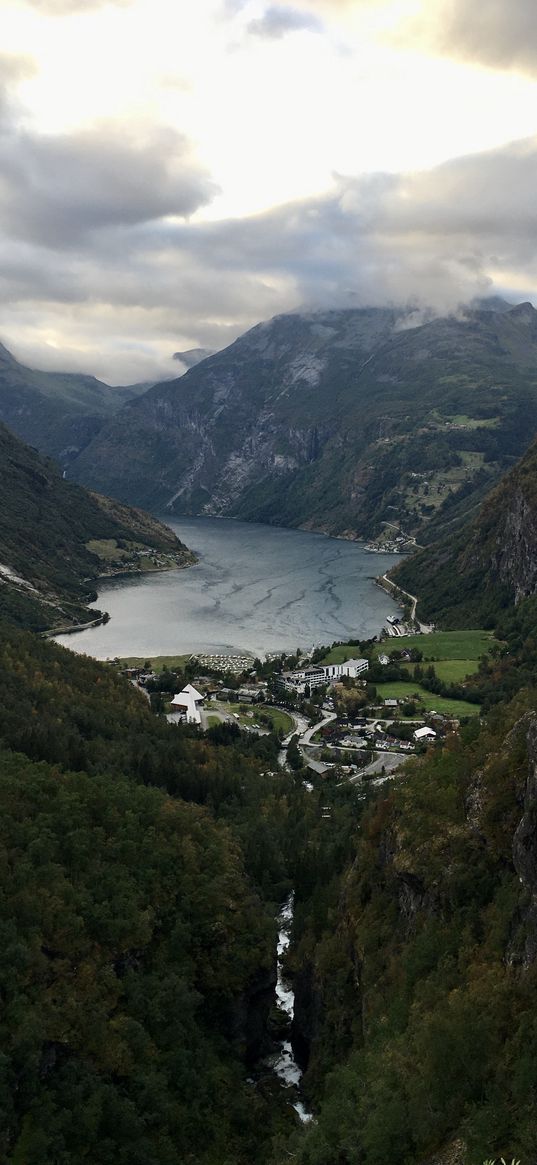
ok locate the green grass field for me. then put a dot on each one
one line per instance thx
(279, 719)
(342, 654)
(399, 690)
(250, 714)
(451, 671)
(157, 662)
(468, 645)
(453, 646)
(473, 422)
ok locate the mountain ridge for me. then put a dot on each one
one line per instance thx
(57, 412)
(326, 420)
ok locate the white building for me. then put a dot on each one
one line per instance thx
(351, 668)
(189, 703)
(320, 674)
(424, 734)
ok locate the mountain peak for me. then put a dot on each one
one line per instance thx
(524, 312)
(5, 356)
(193, 356)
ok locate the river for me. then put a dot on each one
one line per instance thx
(254, 590)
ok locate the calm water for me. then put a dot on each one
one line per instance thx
(255, 589)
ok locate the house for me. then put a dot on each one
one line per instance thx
(391, 703)
(384, 659)
(189, 703)
(318, 767)
(424, 734)
(251, 694)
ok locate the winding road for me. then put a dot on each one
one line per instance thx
(425, 628)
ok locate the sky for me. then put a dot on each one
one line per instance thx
(174, 171)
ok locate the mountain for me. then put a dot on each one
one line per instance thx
(338, 420)
(193, 356)
(56, 539)
(415, 967)
(490, 564)
(58, 412)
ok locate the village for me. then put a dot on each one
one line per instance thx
(352, 712)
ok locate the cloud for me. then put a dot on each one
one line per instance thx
(57, 189)
(64, 7)
(499, 33)
(13, 68)
(277, 21)
(122, 300)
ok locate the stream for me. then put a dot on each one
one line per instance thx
(283, 1062)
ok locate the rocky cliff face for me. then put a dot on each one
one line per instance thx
(505, 540)
(339, 420)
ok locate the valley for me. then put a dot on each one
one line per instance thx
(341, 421)
(389, 797)
(268, 582)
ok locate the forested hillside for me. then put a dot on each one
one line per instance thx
(415, 954)
(138, 937)
(56, 538)
(417, 968)
(490, 565)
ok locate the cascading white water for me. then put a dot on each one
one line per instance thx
(283, 1061)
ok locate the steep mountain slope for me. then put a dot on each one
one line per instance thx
(490, 564)
(338, 420)
(55, 539)
(58, 412)
(138, 962)
(417, 967)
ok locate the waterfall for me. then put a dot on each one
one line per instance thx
(283, 1061)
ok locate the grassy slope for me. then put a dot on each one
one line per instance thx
(442, 644)
(399, 690)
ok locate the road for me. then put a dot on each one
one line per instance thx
(305, 739)
(388, 761)
(425, 628)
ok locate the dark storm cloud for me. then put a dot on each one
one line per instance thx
(56, 190)
(278, 21)
(495, 32)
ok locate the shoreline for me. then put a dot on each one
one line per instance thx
(229, 635)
